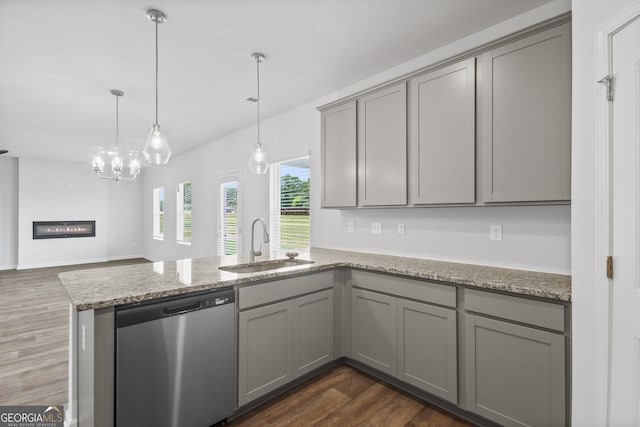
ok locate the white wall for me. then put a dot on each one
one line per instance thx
(8, 212)
(589, 403)
(124, 220)
(56, 191)
(535, 238)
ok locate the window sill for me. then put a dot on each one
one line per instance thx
(158, 238)
(183, 243)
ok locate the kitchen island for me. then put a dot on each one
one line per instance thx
(520, 297)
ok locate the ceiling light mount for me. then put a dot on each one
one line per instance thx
(259, 57)
(117, 92)
(156, 16)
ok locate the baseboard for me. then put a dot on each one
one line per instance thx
(8, 267)
(150, 258)
(121, 257)
(60, 263)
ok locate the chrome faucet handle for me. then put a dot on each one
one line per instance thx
(291, 255)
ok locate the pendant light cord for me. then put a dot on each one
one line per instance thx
(156, 72)
(259, 99)
(117, 123)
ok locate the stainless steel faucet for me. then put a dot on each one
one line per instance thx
(265, 238)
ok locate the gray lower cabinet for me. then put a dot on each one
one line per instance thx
(373, 336)
(525, 118)
(427, 348)
(410, 340)
(264, 350)
(442, 135)
(312, 332)
(515, 375)
(281, 341)
(339, 167)
(382, 147)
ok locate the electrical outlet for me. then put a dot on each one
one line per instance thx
(376, 228)
(495, 232)
(351, 227)
(401, 229)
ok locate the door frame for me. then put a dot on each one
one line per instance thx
(603, 168)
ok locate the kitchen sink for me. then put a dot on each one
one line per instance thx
(265, 265)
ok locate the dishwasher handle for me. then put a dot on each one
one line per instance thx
(182, 308)
(134, 313)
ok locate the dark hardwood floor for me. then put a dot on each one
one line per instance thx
(345, 397)
(34, 335)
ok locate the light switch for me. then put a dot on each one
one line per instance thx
(83, 338)
(495, 232)
(401, 229)
(376, 228)
(351, 227)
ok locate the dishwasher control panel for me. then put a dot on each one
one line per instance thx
(214, 302)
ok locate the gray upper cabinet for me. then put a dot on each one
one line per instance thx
(442, 135)
(312, 331)
(526, 118)
(382, 147)
(427, 348)
(373, 323)
(339, 164)
(264, 350)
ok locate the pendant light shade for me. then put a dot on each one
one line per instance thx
(120, 164)
(156, 149)
(258, 162)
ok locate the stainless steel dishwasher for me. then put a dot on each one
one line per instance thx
(175, 361)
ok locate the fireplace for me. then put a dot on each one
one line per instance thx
(63, 229)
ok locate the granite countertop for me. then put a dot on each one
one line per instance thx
(106, 287)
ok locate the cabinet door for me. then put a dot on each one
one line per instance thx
(527, 119)
(427, 348)
(339, 162)
(382, 147)
(442, 135)
(373, 326)
(312, 331)
(515, 374)
(264, 350)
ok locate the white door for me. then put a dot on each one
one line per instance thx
(625, 332)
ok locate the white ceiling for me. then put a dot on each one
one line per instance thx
(58, 60)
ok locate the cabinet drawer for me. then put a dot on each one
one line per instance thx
(420, 290)
(537, 313)
(265, 293)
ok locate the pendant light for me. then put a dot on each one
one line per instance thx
(258, 163)
(115, 156)
(156, 149)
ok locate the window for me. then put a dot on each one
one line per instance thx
(184, 221)
(158, 213)
(290, 226)
(228, 219)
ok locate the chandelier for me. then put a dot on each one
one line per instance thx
(113, 160)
